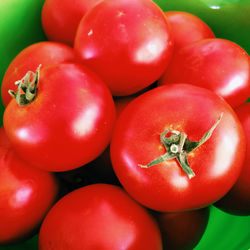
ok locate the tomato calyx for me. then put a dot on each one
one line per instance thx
(27, 88)
(178, 146)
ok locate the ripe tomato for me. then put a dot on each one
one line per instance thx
(30, 58)
(26, 195)
(99, 216)
(126, 42)
(67, 124)
(187, 28)
(216, 64)
(237, 200)
(169, 123)
(183, 230)
(60, 18)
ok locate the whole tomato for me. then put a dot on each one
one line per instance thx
(65, 122)
(183, 230)
(128, 43)
(26, 195)
(60, 18)
(44, 53)
(177, 147)
(216, 64)
(237, 200)
(99, 216)
(187, 28)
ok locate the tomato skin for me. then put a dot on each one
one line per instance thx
(216, 64)
(44, 53)
(237, 200)
(60, 18)
(187, 28)
(189, 109)
(26, 195)
(99, 216)
(68, 124)
(137, 46)
(183, 230)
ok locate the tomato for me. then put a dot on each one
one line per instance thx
(159, 151)
(129, 48)
(60, 18)
(4, 140)
(68, 122)
(99, 216)
(26, 195)
(217, 64)
(229, 19)
(187, 28)
(44, 53)
(237, 200)
(183, 230)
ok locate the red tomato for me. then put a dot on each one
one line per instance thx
(30, 58)
(68, 124)
(99, 216)
(187, 28)
(4, 140)
(183, 230)
(185, 113)
(216, 64)
(126, 42)
(60, 18)
(26, 195)
(237, 200)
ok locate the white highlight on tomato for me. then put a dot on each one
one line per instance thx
(21, 197)
(150, 51)
(86, 121)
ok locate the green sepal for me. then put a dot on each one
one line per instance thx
(182, 147)
(26, 90)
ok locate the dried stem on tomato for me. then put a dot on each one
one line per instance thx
(27, 88)
(178, 146)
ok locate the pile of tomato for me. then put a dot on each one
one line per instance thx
(122, 129)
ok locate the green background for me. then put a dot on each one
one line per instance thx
(20, 26)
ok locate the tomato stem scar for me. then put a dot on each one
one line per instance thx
(178, 146)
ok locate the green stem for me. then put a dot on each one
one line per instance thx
(27, 89)
(178, 146)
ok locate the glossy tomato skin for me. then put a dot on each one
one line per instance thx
(216, 64)
(26, 195)
(187, 28)
(128, 43)
(165, 186)
(60, 18)
(99, 216)
(68, 124)
(44, 53)
(183, 230)
(237, 200)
